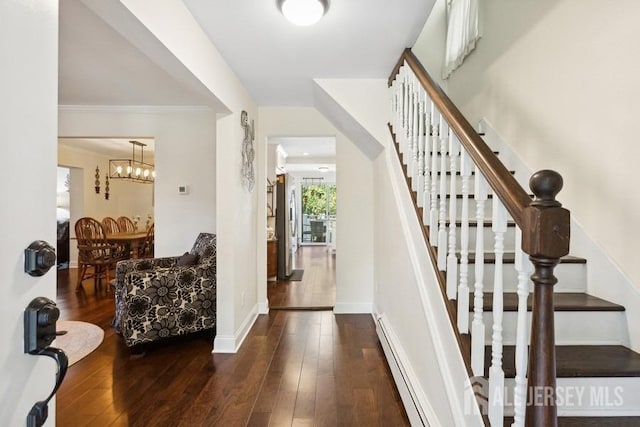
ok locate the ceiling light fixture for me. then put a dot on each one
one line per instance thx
(132, 169)
(303, 12)
(323, 169)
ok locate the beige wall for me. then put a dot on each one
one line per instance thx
(559, 82)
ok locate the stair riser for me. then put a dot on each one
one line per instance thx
(571, 327)
(590, 397)
(488, 239)
(458, 182)
(571, 277)
(472, 209)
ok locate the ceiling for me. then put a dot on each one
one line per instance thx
(276, 61)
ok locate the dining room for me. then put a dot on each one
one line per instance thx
(111, 181)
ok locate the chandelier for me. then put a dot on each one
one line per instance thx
(133, 169)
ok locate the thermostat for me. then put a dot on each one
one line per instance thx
(183, 189)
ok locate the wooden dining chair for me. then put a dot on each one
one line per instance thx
(146, 250)
(110, 225)
(126, 225)
(94, 251)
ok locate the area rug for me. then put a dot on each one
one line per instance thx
(80, 340)
(296, 276)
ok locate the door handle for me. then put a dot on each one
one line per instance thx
(40, 319)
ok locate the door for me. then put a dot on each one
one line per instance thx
(28, 128)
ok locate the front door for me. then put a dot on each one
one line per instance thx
(28, 158)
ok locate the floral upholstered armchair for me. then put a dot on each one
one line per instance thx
(162, 297)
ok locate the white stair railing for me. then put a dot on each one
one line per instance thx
(496, 374)
(477, 326)
(427, 126)
(463, 287)
(524, 269)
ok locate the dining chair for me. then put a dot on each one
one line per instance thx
(94, 251)
(126, 225)
(110, 225)
(146, 250)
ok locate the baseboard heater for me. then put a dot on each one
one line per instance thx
(407, 392)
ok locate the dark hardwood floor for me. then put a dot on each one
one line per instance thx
(317, 288)
(295, 368)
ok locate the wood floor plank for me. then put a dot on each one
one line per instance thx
(294, 368)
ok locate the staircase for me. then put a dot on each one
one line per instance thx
(489, 299)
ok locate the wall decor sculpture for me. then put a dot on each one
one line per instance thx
(97, 183)
(248, 153)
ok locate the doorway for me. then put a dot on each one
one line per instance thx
(318, 212)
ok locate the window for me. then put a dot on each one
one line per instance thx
(462, 32)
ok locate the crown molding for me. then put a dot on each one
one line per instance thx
(134, 109)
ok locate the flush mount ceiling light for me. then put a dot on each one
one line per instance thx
(303, 12)
(323, 169)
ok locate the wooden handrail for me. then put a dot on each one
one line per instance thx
(545, 229)
(505, 186)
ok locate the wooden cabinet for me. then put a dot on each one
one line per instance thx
(272, 257)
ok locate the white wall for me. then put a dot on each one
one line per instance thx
(354, 254)
(558, 80)
(407, 298)
(430, 45)
(28, 84)
(236, 209)
(185, 153)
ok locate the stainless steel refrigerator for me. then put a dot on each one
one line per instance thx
(286, 228)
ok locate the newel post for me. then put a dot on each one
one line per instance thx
(545, 237)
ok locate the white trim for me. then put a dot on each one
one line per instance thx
(446, 348)
(353, 308)
(73, 264)
(263, 307)
(416, 404)
(133, 108)
(591, 397)
(605, 278)
(232, 343)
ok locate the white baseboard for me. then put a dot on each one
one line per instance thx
(413, 398)
(352, 308)
(231, 343)
(263, 307)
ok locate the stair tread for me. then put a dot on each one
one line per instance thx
(458, 172)
(591, 421)
(487, 223)
(586, 361)
(563, 301)
(509, 258)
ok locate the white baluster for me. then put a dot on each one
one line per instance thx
(428, 156)
(452, 259)
(496, 374)
(394, 105)
(463, 287)
(421, 148)
(433, 213)
(405, 109)
(442, 229)
(414, 134)
(477, 326)
(524, 268)
(408, 155)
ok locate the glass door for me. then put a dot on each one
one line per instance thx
(318, 212)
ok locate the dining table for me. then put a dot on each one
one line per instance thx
(134, 239)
